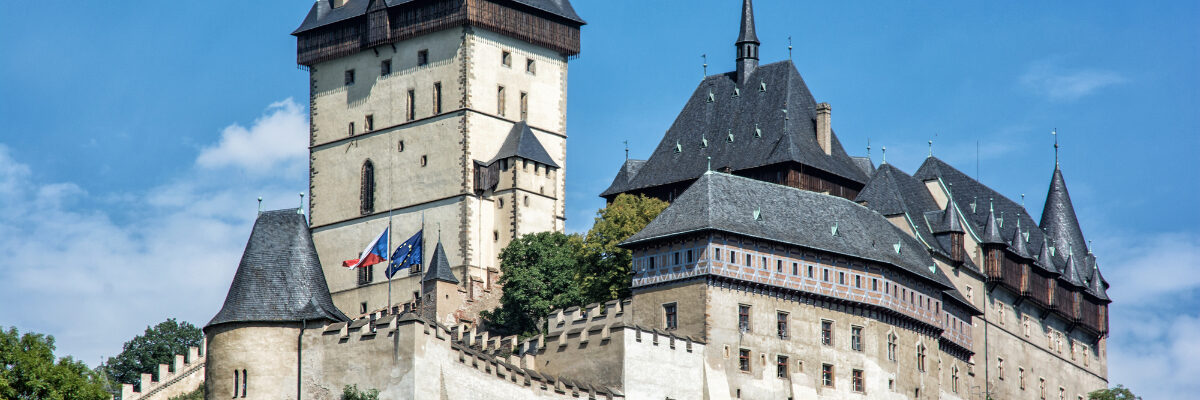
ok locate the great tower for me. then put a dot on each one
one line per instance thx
(443, 114)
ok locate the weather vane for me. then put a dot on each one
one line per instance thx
(705, 58)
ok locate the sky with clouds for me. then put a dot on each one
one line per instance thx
(137, 136)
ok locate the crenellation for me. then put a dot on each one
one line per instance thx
(184, 374)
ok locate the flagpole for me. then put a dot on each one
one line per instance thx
(391, 210)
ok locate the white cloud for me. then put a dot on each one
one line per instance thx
(1155, 286)
(276, 140)
(93, 277)
(1060, 84)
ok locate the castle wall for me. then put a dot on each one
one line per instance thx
(266, 351)
(184, 375)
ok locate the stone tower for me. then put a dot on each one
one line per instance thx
(278, 291)
(446, 114)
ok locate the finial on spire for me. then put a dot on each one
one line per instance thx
(260, 204)
(1055, 134)
(301, 209)
(705, 58)
(789, 47)
(1022, 200)
(931, 148)
(626, 150)
(991, 205)
(709, 163)
(868, 147)
(884, 150)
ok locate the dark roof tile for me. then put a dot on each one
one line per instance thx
(439, 267)
(322, 12)
(521, 142)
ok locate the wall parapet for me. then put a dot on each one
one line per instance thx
(184, 366)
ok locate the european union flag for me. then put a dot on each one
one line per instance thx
(407, 254)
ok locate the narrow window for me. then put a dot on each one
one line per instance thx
(424, 160)
(779, 266)
(810, 272)
(1000, 368)
(495, 236)
(437, 98)
(526, 201)
(677, 258)
(858, 281)
(385, 67)
(506, 59)
(367, 190)
(245, 381)
(954, 379)
(874, 284)
(765, 265)
(400, 146)
(1042, 388)
(362, 307)
(825, 274)
(689, 256)
(350, 129)
(781, 324)
(410, 112)
(827, 375)
(827, 332)
(524, 106)
(235, 383)
(891, 347)
(422, 57)
(841, 278)
(717, 254)
(669, 316)
(781, 366)
(856, 338)
(349, 77)
(921, 358)
(530, 67)
(500, 101)
(651, 265)
(369, 124)
(857, 377)
(1021, 378)
(744, 318)
(748, 260)
(796, 269)
(744, 360)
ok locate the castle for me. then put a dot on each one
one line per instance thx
(783, 267)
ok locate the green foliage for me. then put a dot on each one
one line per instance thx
(538, 274)
(351, 392)
(1119, 392)
(28, 371)
(197, 394)
(605, 272)
(142, 354)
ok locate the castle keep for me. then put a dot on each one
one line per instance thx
(783, 268)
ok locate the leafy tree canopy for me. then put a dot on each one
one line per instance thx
(538, 274)
(28, 371)
(351, 392)
(197, 394)
(158, 345)
(605, 272)
(1119, 392)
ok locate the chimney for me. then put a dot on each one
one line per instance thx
(824, 131)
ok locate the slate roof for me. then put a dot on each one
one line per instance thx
(726, 203)
(439, 267)
(322, 12)
(279, 278)
(754, 117)
(1059, 221)
(891, 192)
(521, 142)
(864, 164)
(621, 182)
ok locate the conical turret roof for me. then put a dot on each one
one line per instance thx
(1018, 244)
(1044, 259)
(746, 33)
(279, 278)
(950, 219)
(1059, 220)
(1070, 272)
(991, 229)
(439, 267)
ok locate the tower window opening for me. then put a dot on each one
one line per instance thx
(422, 57)
(367, 189)
(506, 58)
(245, 383)
(349, 77)
(350, 129)
(670, 316)
(369, 123)
(500, 101)
(410, 112)
(424, 160)
(385, 67)
(400, 146)
(437, 98)
(781, 366)
(524, 106)
(744, 360)
(530, 66)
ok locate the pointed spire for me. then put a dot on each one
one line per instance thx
(1096, 283)
(991, 229)
(747, 44)
(1071, 272)
(439, 265)
(1018, 244)
(950, 219)
(1044, 259)
(1058, 217)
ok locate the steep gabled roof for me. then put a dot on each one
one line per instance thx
(322, 12)
(743, 206)
(763, 134)
(521, 142)
(865, 164)
(279, 278)
(977, 201)
(891, 192)
(1059, 220)
(628, 170)
(439, 267)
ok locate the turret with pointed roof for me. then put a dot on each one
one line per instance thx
(1059, 220)
(747, 43)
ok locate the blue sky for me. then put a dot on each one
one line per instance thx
(137, 135)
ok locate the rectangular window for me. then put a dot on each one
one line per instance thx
(385, 67)
(1042, 388)
(744, 318)
(874, 284)
(670, 318)
(506, 59)
(524, 106)
(437, 98)
(677, 258)
(1021, 378)
(796, 269)
(500, 101)
(827, 332)
(689, 256)
(779, 266)
(827, 375)
(858, 281)
(744, 360)
(422, 57)
(651, 262)
(857, 377)
(825, 274)
(349, 77)
(781, 366)
(411, 107)
(530, 67)
(856, 338)
(717, 254)
(1000, 368)
(810, 272)
(765, 265)
(350, 129)
(781, 324)
(369, 124)
(841, 278)
(748, 260)
(891, 348)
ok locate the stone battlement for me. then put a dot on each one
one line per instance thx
(184, 375)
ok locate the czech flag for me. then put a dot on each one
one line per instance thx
(375, 253)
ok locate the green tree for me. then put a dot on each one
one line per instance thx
(538, 274)
(605, 269)
(197, 394)
(158, 345)
(28, 371)
(351, 392)
(1119, 392)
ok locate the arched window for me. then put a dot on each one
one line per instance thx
(367, 194)
(245, 380)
